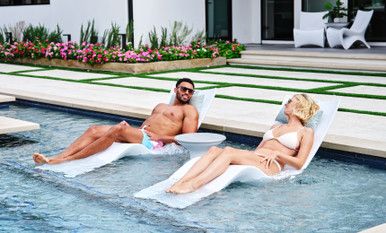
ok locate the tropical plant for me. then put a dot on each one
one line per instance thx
(88, 33)
(164, 37)
(179, 34)
(153, 39)
(112, 38)
(335, 11)
(56, 35)
(2, 36)
(35, 33)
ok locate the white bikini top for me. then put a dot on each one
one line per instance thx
(289, 140)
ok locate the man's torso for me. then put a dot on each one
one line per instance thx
(166, 119)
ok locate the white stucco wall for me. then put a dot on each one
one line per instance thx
(69, 14)
(246, 21)
(149, 13)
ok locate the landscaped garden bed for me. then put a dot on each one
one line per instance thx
(96, 56)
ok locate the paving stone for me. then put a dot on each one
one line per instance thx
(304, 75)
(146, 82)
(68, 74)
(366, 90)
(10, 125)
(346, 102)
(7, 68)
(245, 80)
(6, 98)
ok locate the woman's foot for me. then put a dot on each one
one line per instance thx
(40, 159)
(185, 187)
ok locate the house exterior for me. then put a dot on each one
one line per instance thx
(249, 21)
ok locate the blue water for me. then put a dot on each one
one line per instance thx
(330, 196)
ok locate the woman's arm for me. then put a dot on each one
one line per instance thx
(304, 150)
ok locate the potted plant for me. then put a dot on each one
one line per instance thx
(335, 13)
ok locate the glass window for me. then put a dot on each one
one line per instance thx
(23, 2)
(218, 20)
(315, 5)
(277, 19)
(377, 27)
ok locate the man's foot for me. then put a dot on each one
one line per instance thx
(185, 187)
(40, 159)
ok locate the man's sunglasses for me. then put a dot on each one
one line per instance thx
(186, 89)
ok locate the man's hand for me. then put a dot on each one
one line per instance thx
(153, 136)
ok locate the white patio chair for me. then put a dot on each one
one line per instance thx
(346, 37)
(311, 30)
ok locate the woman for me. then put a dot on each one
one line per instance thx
(283, 144)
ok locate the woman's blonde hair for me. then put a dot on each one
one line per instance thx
(305, 108)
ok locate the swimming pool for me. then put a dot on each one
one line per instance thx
(330, 196)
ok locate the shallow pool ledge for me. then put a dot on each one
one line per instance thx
(377, 229)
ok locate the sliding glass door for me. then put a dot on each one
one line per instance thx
(277, 19)
(219, 19)
(377, 28)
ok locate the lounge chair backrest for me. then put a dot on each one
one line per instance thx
(329, 108)
(202, 100)
(312, 20)
(362, 20)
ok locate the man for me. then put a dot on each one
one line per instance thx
(164, 123)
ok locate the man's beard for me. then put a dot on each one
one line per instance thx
(182, 101)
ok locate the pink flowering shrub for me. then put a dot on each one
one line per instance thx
(98, 54)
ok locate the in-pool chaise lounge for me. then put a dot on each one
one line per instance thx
(320, 123)
(202, 99)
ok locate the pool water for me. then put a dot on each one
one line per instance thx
(330, 196)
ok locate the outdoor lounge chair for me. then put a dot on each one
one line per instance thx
(202, 99)
(311, 30)
(346, 37)
(241, 173)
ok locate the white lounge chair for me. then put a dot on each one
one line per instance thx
(202, 99)
(346, 37)
(311, 30)
(234, 173)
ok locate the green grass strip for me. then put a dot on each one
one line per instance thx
(360, 73)
(27, 71)
(372, 113)
(295, 79)
(323, 89)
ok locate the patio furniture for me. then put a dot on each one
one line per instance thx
(346, 37)
(202, 99)
(242, 173)
(311, 30)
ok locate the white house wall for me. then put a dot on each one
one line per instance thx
(246, 21)
(150, 13)
(69, 14)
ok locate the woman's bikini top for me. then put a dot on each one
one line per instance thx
(289, 140)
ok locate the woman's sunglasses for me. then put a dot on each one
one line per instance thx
(186, 89)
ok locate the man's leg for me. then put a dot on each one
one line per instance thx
(122, 132)
(90, 135)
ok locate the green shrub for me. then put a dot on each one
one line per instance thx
(153, 39)
(35, 33)
(56, 35)
(112, 38)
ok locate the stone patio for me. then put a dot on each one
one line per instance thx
(350, 131)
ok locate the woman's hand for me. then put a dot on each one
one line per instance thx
(269, 158)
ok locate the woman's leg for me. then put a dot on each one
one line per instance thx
(221, 163)
(199, 166)
(90, 135)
